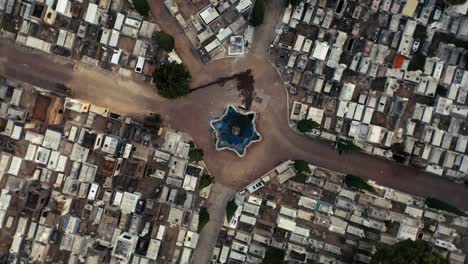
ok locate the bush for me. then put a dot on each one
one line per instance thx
(456, 2)
(293, 2)
(299, 178)
(205, 181)
(142, 7)
(153, 121)
(355, 182)
(444, 206)
(231, 209)
(346, 146)
(203, 219)
(258, 12)
(306, 125)
(407, 251)
(195, 155)
(273, 256)
(164, 41)
(399, 154)
(172, 80)
(301, 166)
(420, 33)
(180, 198)
(417, 62)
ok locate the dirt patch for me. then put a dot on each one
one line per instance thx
(41, 107)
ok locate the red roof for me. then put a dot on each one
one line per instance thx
(399, 60)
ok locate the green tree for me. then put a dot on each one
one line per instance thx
(153, 121)
(417, 62)
(274, 256)
(456, 2)
(231, 209)
(293, 2)
(346, 146)
(203, 219)
(142, 7)
(205, 181)
(306, 125)
(180, 198)
(444, 206)
(355, 182)
(164, 41)
(172, 80)
(196, 155)
(301, 166)
(407, 251)
(258, 12)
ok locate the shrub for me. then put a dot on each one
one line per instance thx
(258, 12)
(346, 146)
(164, 41)
(196, 155)
(417, 62)
(231, 209)
(153, 121)
(456, 2)
(273, 256)
(299, 178)
(203, 219)
(293, 2)
(306, 125)
(205, 181)
(301, 166)
(180, 198)
(355, 182)
(142, 7)
(444, 206)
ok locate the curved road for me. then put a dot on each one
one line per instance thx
(191, 114)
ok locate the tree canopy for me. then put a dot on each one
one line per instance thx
(417, 62)
(456, 2)
(301, 166)
(346, 146)
(205, 181)
(142, 7)
(444, 206)
(294, 2)
(355, 182)
(258, 12)
(407, 252)
(203, 219)
(153, 121)
(274, 256)
(231, 209)
(164, 41)
(196, 155)
(306, 125)
(172, 80)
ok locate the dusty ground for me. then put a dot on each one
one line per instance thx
(191, 114)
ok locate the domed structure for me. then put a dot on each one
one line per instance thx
(235, 130)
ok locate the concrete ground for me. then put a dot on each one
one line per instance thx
(191, 113)
(219, 198)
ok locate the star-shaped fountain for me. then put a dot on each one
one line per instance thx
(235, 130)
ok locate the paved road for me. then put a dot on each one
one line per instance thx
(191, 114)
